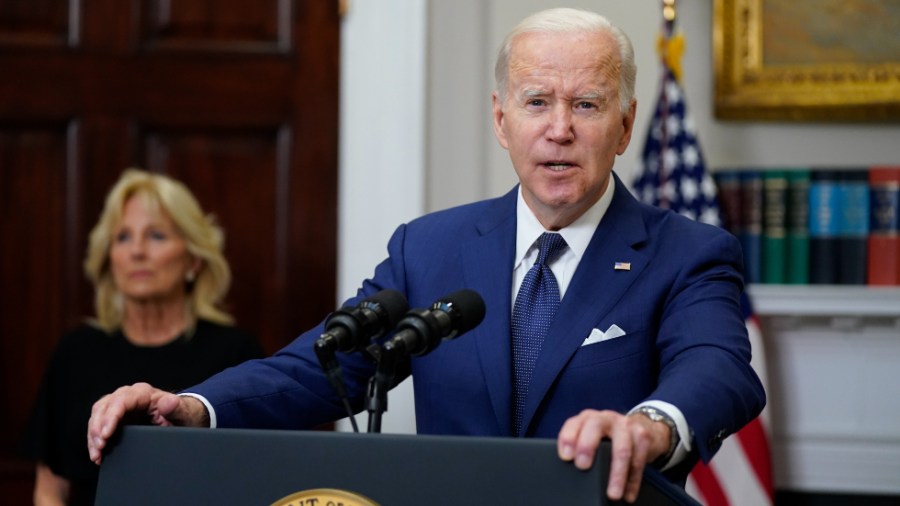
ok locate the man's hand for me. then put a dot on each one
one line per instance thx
(636, 440)
(164, 408)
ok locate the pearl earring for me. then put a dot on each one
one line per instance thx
(190, 277)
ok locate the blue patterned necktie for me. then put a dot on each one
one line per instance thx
(533, 312)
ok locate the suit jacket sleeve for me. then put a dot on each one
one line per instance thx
(288, 390)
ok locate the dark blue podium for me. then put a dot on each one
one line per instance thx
(156, 465)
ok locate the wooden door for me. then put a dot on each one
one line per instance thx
(237, 99)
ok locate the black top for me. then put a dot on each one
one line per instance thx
(89, 363)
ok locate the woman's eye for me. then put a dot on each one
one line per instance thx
(156, 235)
(122, 236)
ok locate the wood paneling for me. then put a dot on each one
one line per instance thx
(37, 23)
(236, 99)
(201, 24)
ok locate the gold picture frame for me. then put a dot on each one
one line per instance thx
(807, 60)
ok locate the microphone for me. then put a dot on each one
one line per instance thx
(351, 329)
(418, 333)
(421, 330)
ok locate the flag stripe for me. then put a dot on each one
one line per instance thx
(733, 469)
(755, 445)
(711, 493)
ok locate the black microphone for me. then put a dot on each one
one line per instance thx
(421, 330)
(418, 333)
(351, 328)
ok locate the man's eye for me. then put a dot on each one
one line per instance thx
(586, 105)
(536, 102)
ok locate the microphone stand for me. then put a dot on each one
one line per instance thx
(387, 357)
(332, 369)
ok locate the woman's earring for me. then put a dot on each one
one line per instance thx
(190, 277)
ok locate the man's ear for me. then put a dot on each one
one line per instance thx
(497, 113)
(627, 127)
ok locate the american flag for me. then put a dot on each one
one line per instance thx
(674, 177)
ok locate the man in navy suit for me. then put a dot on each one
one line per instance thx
(648, 346)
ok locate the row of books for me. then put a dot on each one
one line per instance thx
(815, 225)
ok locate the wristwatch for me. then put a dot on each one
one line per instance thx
(657, 415)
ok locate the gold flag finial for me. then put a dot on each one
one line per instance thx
(669, 10)
(671, 49)
(670, 45)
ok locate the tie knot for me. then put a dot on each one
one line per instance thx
(550, 245)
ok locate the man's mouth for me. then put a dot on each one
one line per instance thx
(557, 166)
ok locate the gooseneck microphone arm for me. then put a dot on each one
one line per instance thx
(419, 333)
(332, 369)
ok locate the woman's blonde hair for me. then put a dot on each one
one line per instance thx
(204, 239)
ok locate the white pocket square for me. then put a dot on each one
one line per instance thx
(598, 336)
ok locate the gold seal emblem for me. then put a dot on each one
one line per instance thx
(325, 497)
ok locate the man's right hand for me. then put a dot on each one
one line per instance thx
(164, 408)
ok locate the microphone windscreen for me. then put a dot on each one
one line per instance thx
(467, 308)
(392, 302)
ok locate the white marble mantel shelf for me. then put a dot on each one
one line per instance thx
(825, 300)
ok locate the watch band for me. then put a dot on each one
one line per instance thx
(657, 415)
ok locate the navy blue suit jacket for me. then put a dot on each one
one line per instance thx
(685, 338)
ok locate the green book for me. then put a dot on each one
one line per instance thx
(774, 230)
(798, 227)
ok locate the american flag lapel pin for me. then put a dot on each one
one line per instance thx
(622, 266)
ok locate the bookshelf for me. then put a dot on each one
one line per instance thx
(825, 300)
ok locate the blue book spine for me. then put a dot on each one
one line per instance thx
(824, 223)
(853, 226)
(752, 224)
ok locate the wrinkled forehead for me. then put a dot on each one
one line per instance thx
(564, 54)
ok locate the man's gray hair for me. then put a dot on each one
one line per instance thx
(565, 20)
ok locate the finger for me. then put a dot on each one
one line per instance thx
(620, 462)
(104, 416)
(166, 409)
(109, 410)
(641, 448)
(94, 442)
(568, 437)
(594, 428)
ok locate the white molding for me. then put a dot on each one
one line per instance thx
(841, 466)
(825, 300)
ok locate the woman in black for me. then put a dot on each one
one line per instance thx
(159, 274)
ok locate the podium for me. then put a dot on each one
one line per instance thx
(166, 465)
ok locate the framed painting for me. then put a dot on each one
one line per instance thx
(807, 60)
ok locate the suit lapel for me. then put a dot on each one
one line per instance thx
(487, 261)
(595, 289)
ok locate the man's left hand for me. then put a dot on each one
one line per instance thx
(636, 440)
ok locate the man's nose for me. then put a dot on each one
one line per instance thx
(560, 125)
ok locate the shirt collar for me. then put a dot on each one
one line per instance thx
(577, 235)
